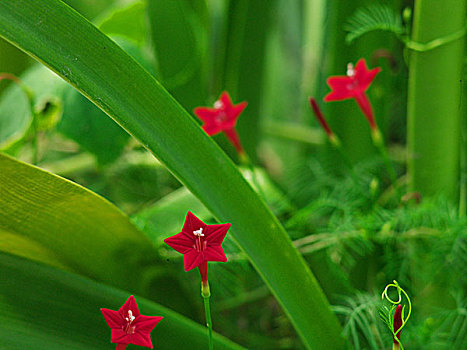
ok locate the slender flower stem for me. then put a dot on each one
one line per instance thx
(206, 294)
(121, 346)
(379, 143)
(395, 346)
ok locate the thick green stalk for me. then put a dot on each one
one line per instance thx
(434, 114)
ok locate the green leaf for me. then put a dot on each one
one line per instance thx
(129, 22)
(44, 308)
(87, 125)
(58, 222)
(110, 78)
(15, 112)
(371, 18)
(179, 38)
(168, 214)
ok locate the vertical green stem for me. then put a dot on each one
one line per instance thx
(434, 114)
(206, 294)
(207, 311)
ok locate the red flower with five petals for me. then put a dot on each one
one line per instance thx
(222, 118)
(354, 85)
(128, 326)
(199, 243)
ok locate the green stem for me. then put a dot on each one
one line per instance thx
(206, 294)
(435, 82)
(382, 149)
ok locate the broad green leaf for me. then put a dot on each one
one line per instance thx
(46, 218)
(70, 225)
(97, 67)
(15, 112)
(47, 309)
(180, 45)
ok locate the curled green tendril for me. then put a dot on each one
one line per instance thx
(384, 295)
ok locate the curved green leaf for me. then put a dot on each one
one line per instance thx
(58, 222)
(96, 66)
(47, 309)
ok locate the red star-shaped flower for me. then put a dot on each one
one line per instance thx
(222, 118)
(128, 326)
(199, 243)
(354, 85)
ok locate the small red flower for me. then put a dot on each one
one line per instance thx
(128, 326)
(222, 118)
(397, 323)
(199, 243)
(354, 85)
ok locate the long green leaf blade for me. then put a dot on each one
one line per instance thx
(76, 50)
(49, 219)
(47, 309)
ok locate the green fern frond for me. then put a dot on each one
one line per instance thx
(371, 18)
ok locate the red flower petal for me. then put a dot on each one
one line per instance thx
(206, 114)
(363, 75)
(134, 331)
(223, 117)
(212, 129)
(130, 304)
(113, 318)
(341, 88)
(226, 100)
(192, 223)
(181, 242)
(199, 242)
(216, 233)
(192, 259)
(215, 253)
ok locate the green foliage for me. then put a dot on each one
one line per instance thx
(56, 310)
(371, 18)
(345, 222)
(137, 102)
(70, 224)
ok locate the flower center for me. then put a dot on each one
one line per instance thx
(350, 70)
(128, 328)
(221, 117)
(218, 104)
(199, 245)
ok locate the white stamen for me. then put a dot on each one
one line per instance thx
(218, 104)
(350, 70)
(130, 317)
(199, 232)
